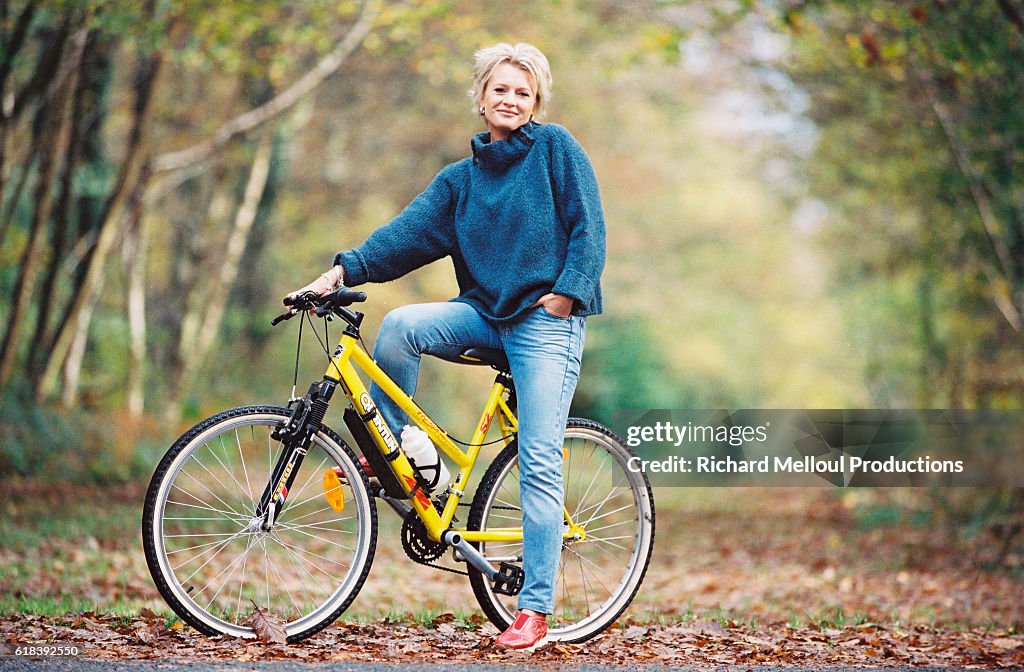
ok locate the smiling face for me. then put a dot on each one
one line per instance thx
(508, 100)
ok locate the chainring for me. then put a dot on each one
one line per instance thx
(417, 543)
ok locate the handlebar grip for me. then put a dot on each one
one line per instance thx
(344, 296)
(281, 318)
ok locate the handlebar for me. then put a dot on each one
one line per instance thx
(333, 303)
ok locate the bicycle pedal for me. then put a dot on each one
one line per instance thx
(508, 580)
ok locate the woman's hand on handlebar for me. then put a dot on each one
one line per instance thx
(326, 283)
(314, 299)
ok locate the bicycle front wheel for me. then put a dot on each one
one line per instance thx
(206, 549)
(605, 559)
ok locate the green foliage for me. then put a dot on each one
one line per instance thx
(920, 163)
(83, 446)
(991, 517)
(33, 439)
(625, 368)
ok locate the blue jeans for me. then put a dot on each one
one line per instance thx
(544, 354)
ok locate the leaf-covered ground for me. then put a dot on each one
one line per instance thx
(446, 640)
(806, 577)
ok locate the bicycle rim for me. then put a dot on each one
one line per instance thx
(600, 570)
(208, 554)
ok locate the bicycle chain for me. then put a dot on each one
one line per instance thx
(445, 569)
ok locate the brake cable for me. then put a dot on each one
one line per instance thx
(295, 378)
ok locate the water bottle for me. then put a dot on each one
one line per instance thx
(424, 457)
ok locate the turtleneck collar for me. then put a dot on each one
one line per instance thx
(500, 156)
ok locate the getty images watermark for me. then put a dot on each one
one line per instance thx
(845, 447)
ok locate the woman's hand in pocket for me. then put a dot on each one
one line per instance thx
(556, 304)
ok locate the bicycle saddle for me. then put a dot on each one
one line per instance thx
(493, 357)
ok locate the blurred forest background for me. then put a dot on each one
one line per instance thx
(810, 203)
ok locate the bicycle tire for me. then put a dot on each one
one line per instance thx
(617, 514)
(211, 562)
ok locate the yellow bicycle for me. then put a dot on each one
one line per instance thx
(264, 506)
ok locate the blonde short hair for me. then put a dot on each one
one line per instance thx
(525, 56)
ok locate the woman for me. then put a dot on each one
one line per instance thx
(522, 223)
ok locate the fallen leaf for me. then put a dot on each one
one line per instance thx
(635, 632)
(145, 636)
(446, 617)
(268, 628)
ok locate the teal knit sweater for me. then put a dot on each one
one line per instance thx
(520, 218)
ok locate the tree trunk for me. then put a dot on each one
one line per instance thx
(191, 271)
(1014, 13)
(72, 370)
(54, 123)
(203, 322)
(236, 245)
(7, 214)
(136, 244)
(51, 71)
(1000, 272)
(62, 215)
(80, 312)
(10, 44)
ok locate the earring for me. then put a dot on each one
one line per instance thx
(481, 110)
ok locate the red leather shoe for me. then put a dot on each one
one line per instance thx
(527, 632)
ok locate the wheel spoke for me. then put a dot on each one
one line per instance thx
(631, 522)
(213, 552)
(631, 505)
(245, 472)
(203, 486)
(229, 568)
(595, 566)
(297, 493)
(611, 543)
(590, 486)
(241, 491)
(291, 556)
(322, 539)
(327, 507)
(205, 505)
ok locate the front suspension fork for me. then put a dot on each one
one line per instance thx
(295, 436)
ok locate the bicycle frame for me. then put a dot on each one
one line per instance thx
(350, 356)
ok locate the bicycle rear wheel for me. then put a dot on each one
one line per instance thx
(602, 566)
(206, 550)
